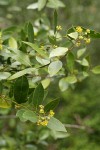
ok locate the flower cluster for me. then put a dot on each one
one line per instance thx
(58, 28)
(1, 41)
(44, 117)
(83, 36)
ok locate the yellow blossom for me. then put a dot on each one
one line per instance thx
(88, 30)
(55, 46)
(41, 111)
(78, 43)
(85, 33)
(41, 106)
(58, 28)
(39, 122)
(79, 29)
(51, 113)
(88, 40)
(42, 118)
(44, 123)
(80, 37)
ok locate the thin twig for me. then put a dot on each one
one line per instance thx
(8, 117)
(75, 126)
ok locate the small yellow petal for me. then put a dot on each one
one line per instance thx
(79, 29)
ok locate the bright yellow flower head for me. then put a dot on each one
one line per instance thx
(41, 111)
(79, 29)
(51, 113)
(44, 123)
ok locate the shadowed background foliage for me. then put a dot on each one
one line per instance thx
(79, 106)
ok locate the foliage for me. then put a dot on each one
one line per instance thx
(32, 57)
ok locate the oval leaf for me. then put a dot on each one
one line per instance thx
(60, 51)
(54, 67)
(20, 115)
(36, 48)
(4, 75)
(71, 79)
(96, 70)
(21, 87)
(13, 43)
(73, 35)
(55, 124)
(30, 115)
(51, 105)
(37, 96)
(41, 4)
(63, 85)
(30, 33)
(21, 73)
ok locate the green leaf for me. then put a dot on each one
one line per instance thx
(20, 56)
(30, 115)
(81, 52)
(63, 85)
(21, 88)
(73, 35)
(60, 51)
(59, 135)
(37, 96)
(4, 103)
(4, 75)
(30, 33)
(70, 62)
(13, 43)
(37, 49)
(56, 125)
(42, 61)
(21, 73)
(51, 105)
(55, 4)
(45, 83)
(54, 67)
(52, 40)
(20, 115)
(33, 6)
(41, 4)
(83, 62)
(71, 79)
(96, 70)
(55, 21)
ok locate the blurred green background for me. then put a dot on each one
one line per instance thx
(80, 106)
